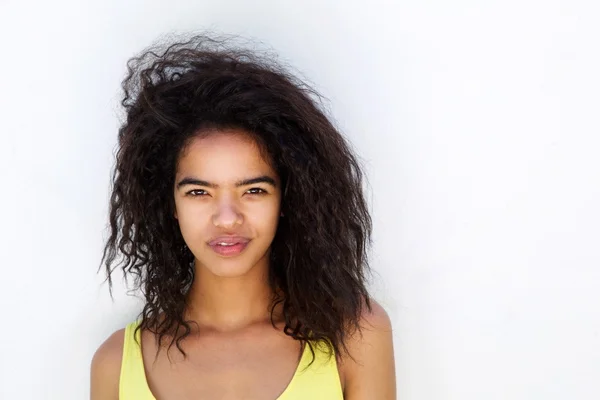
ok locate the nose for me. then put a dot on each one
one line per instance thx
(227, 215)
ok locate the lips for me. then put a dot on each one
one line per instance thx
(228, 240)
(228, 245)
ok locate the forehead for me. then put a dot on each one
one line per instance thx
(224, 155)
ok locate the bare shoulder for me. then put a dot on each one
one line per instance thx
(371, 375)
(377, 319)
(106, 368)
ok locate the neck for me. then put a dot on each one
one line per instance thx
(228, 304)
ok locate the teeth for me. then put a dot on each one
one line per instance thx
(226, 244)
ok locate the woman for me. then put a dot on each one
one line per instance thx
(238, 208)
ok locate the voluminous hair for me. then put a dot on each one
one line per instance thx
(176, 91)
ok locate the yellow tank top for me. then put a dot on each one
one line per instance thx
(321, 381)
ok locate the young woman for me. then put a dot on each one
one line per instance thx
(237, 207)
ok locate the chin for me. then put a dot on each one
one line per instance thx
(233, 266)
(226, 272)
(227, 267)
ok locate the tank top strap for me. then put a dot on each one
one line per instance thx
(132, 383)
(320, 380)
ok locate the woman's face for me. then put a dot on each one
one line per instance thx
(227, 202)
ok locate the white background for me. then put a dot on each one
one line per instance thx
(478, 123)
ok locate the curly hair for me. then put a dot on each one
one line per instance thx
(319, 255)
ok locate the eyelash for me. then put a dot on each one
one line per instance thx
(191, 192)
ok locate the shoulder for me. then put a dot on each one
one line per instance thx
(370, 372)
(106, 368)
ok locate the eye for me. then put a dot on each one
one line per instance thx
(196, 192)
(256, 191)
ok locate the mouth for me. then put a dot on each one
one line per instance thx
(229, 246)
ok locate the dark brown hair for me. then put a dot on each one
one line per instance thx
(319, 253)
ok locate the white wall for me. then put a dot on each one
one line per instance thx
(479, 125)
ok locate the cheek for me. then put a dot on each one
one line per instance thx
(263, 217)
(190, 217)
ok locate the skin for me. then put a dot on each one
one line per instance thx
(230, 297)
(228, 293)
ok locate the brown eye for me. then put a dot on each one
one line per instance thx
(256, 191)
(196, 192)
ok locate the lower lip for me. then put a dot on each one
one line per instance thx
(229, 250)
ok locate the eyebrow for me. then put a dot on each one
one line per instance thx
(244, 182)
